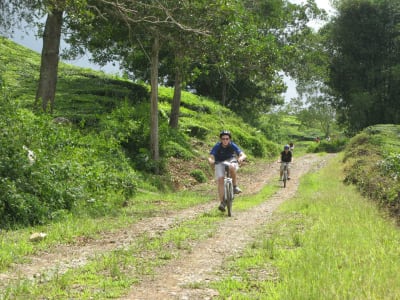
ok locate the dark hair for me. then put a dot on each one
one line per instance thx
(225, 132)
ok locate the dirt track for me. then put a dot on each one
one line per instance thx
(173, 280)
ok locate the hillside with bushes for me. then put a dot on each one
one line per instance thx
(372, 163)
(84, 216)
(92, 153)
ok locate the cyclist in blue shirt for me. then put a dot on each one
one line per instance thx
(225, 151)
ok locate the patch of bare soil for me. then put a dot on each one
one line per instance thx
(199, 266)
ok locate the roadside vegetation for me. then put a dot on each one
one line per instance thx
(372, 163)
(91, 156)
(87, 169)
(328, 242)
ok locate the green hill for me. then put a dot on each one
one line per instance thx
(94, 148)
(373, 164)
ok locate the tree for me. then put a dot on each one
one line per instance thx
(58, 12)
(364, 69)
(253, 46)
(316, 112)
(12, 12)
(135, 32)
(46, 90)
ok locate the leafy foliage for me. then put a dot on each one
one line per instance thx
(98, 156)
(47, 168)
(373, 165)
(364, 70)
(199, 175)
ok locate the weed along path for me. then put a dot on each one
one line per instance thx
(174, 279)
(183, 278)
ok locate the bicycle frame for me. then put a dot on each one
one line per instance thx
(228, 188)
(285, 173)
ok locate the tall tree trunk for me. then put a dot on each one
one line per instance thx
(224, 90)
(176, 101)
(154, 138)
(49, 61)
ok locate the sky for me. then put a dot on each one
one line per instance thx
(30, 41)
(291, 85)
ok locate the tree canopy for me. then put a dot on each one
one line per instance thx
(365, 64)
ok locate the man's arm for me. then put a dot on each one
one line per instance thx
(211, 160)
(242, 157)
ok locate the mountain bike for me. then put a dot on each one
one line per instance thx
(228, 189)
(285, 175)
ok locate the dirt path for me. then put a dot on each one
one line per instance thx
(173, 280)
(196, 267)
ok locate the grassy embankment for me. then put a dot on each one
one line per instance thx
(93, 175)
(98, 161)
(326, 243)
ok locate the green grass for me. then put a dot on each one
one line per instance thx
(112, 274)
(326, 243)
(372, 163)
(15, 244)
(103, 152)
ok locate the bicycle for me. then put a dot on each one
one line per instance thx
(229, 194)
(285, 173)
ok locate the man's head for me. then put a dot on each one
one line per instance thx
(225, 137)
(286, 148)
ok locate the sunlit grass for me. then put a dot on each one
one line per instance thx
(327, 243)
(15, 244)
(111, 275)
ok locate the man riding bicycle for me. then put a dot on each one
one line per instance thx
(286, 157)
(225, 151)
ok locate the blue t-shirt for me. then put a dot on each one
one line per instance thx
(221, 154)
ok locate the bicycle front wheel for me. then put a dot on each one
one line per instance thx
(285, 176)
(229, 196)
(284, 181)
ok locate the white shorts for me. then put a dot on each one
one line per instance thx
(282, 163)
(220, 167)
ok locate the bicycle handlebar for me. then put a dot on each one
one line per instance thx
(226, 163)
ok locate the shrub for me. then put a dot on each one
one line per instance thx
(68, 168)
(171, 148)
(197, 131)
(390, 165)
(198, 175)
(376, 174)
(332, 146)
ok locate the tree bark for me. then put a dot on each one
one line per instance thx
(154, 138)
(49, 61)
(224, 91)
(176, 101)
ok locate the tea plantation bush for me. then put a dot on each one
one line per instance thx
(46, 168)
(373, 164)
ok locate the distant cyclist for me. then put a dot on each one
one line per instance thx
(286, 157)
(225, 151)
(291, 147)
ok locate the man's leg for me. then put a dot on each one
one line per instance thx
(219, 175)
(220, 183)
(232, 170)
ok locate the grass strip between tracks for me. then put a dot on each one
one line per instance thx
(111, 275)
